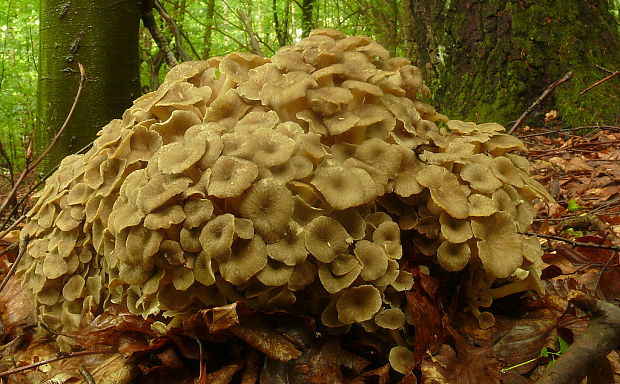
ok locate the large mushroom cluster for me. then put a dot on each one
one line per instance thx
(268, 180)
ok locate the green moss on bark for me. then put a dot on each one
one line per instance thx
(103, 37)
(501, 56)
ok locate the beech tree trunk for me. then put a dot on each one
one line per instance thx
(490, 60)
(103, 37)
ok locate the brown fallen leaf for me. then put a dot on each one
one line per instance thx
(425, 314)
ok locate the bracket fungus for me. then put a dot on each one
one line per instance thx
(271, 179)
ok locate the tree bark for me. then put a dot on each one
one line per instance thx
(209, 23)
(103, 37)
(490, 60)
(307, 11)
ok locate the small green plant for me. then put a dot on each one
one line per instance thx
(544, 352)
(573, 206)
(572, 232)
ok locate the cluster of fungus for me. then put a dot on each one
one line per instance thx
(270, 180)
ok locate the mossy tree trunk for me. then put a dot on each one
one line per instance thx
(489, 60)
(103, 37)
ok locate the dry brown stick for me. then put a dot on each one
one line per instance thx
(86, 375)
(52, 360)
(22, 250)
(9, 248)
(51, 145)
(600, 338)
(600, 82)
(573, 242)
(542, 97)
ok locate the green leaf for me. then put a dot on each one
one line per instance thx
(563, 345)
(572, 206)
(544, 352)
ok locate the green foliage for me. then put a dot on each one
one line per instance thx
(545, 352)
(18, 74)
(573, 206)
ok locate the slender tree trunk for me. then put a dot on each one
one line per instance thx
(489, 60)
(102, 36)
(209, 23)
(307, 7)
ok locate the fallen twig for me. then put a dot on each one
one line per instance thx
(573, 242)
(542, 97)
(9, 248)
(600, 82)
(23, 243)
(51, 145)
(599, 339)
(52, 360)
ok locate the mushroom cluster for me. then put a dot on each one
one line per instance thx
(268, 180)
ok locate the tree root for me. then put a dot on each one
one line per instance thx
(599, 339)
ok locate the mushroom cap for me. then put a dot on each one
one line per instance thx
(455, 230)
(247, 257)
(358, 304)
(231, 176)
(401, 359)
(373, 259)
(325, 238)
(392, 318)
(453, 257)
(269, 205)
(498, 233)
(344, 187)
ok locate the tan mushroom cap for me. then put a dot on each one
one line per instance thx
(325, 238)
(344, 187)
(231, 176)
(401, 359)
(269, 205)
(275, 273)
(392, 318)
(358, 304)
(498, 233)
(246, 258)
(453, 257)
(334, 283)
(455, 230)
(291, 248)
(373, 259)
(480, 177)
(216, 237)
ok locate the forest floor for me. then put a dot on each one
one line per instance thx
(581, 238)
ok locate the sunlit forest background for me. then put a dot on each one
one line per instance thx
(204, 28)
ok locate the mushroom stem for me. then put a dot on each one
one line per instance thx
(398, 338)
(531, 283)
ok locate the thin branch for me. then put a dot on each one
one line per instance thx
(542, 97)
(149, 22)
(32, 166)
(15, 223)
(175, 30)
(23, 243)
(600, 82)
(9, 248)
(573, 242)
(256, 49)
(52, 360)
(600, 338)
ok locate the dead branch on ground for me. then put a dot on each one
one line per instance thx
(600, 338)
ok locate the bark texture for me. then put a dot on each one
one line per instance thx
(489, 60)
(103, 36)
